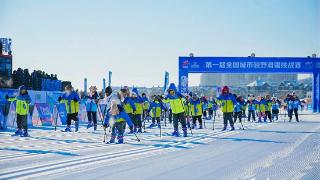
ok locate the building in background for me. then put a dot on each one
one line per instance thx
(5, 58)
(5, 66)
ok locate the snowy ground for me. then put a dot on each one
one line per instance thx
(262, 151)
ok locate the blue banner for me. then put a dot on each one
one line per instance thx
(44, 113)
(51, 85)
(62, 113)
(251, 65)
(9, 92)
(248, 65)
(52, 97)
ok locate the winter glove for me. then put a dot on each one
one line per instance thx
(222, 104)
(59, 99)
(7, 97)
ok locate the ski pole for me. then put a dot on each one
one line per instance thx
(102, 118)
(136, 136)
(191, 131)
(214, 119)
(160, 118)
(144, 125)
(204, 122)
(160, 126)
(241, 124)
(4, 116)
(165, 118)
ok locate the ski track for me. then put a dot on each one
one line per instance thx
(294, 155)
(41, 168)
(53, 154)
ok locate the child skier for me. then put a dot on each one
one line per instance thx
(178, 110)
(196, 111)
(128, 104)
(117, 121)
(275, 106)
(22, 101)
(261, 109)
(146, 105)
(268, 102)
(238, 109)
(227, 101)
(71, 99)
(251, 108)
(204, 102)
(91, 106)
(138, 102)
(155, 111)
(293, 106)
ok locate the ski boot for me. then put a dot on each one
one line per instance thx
(139, 130)
(194, 126)
(159, 125)
(176, 133)
(224, 128)
(152, 125)
(232, 128)
(185, 134)
(68, 129)
(200, 127)
(18, 133)
(112, 140)
(120, 140)
(89, 125)
(24, 134)
(95, 127)
(77, 126)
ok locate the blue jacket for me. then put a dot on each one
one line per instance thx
(121, 115)
(275, 106)
(296, 103)
(238, 106)
(71, 101)
(195, 105)
(174, 88)
(73, 95)
(91, 105)
(293, 104)
(251, 105)
(261, 105)
(129, 100)
(154, 105)
(227, 102)
(24, 97)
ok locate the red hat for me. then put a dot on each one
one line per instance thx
(225, 88)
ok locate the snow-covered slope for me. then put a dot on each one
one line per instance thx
(279, 150)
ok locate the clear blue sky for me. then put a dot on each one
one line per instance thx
(140, 39)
